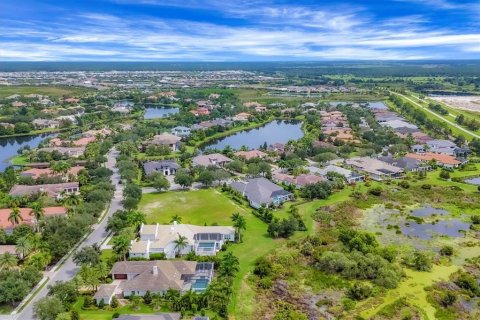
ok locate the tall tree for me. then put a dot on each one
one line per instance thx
(180, 243)
(37, 212)
(121, 246)
(8, 261)
(15, 217)
(240, 224)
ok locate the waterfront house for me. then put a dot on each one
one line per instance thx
(202, 240)
(349, 175)
(181, 131)
(298, 181)
(444, 160)
(45, 124)
(213, 159)
(53, 190)
(376, 169)
(251, 154)
(165, 139)
(262, 192)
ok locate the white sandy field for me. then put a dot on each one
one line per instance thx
(470, 103)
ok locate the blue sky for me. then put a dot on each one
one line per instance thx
(231, 30)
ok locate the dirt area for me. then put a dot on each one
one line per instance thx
(469, 103)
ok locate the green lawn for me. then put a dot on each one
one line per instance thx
(52, 91)
(194, 207)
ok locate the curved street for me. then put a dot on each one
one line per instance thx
(68, 269)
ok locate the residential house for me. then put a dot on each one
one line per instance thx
(166, 167)
(18, 104)
(377, 170)
(442, 146)
(45, 124)
(200, 111)
(166, 139)
(156, 316)
(213, 159)
(298, 181)
(53, 190)
(444, 160)
(82, 142)
(181, 131)
(349, 175)
(251, 154)
(407, 164)
(104, 132)
(252, 104)
(159, 276)
(241, 117)
(73, 152)
(260, 191)
(277, 147)
(36, 173)
(202, 240)
(26, 217)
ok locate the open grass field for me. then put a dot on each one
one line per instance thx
(52, 91)
(210, 206)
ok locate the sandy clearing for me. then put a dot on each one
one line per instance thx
(469, 103)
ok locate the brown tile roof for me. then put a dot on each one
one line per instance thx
(442, 158)
(251, 154)
(26, 217)
(52, 190)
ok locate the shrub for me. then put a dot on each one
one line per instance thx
(446, 251)
(114, 303)
(88, 302)
(444, 174)
(376, 191)
(475, 219)
(116, 315)
(404, 184)
(158, 256)
(263, 267)
(359, 291)
(101, 304)
(447, 299)
(426, 186)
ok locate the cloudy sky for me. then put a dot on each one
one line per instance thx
(231, 30)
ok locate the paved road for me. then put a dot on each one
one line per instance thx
(68, 270)
(439, 116)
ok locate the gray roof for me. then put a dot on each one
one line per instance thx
(153, 166)
(259, 190)
(402, 162)
(158, 316)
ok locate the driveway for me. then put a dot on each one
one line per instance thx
(68, 270)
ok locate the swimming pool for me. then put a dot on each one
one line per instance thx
(200, 285)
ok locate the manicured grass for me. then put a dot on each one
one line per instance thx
(19, 160)
(45, 90)
(194, 207)
(5, 308)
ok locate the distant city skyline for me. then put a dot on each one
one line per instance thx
(250, 30)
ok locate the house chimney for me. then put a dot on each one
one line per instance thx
(155, 270)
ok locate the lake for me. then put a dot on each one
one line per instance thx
(475, 181)
(279, 131)
(452, 228)
(9, 147)
(155, 112)
(427, 211)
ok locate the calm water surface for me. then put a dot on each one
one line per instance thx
(273, 132)
(9, 147)
(159, 112)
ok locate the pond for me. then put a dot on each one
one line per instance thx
(280, 131)
(475, 181)
(377, 105)
(452, 228)
(427, 211)
(155, 112)
(9, 147)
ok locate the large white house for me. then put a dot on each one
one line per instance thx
(203, 240)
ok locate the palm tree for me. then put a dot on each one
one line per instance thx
(229, 265)
(180, 243)
(71, 199)
(176, 218)
(8, 261)
(24, 247)
(234, 217)
(37, 212)
(136, 218)
(121, 246)
(15, 217)
(240, 224)
(60, 167)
